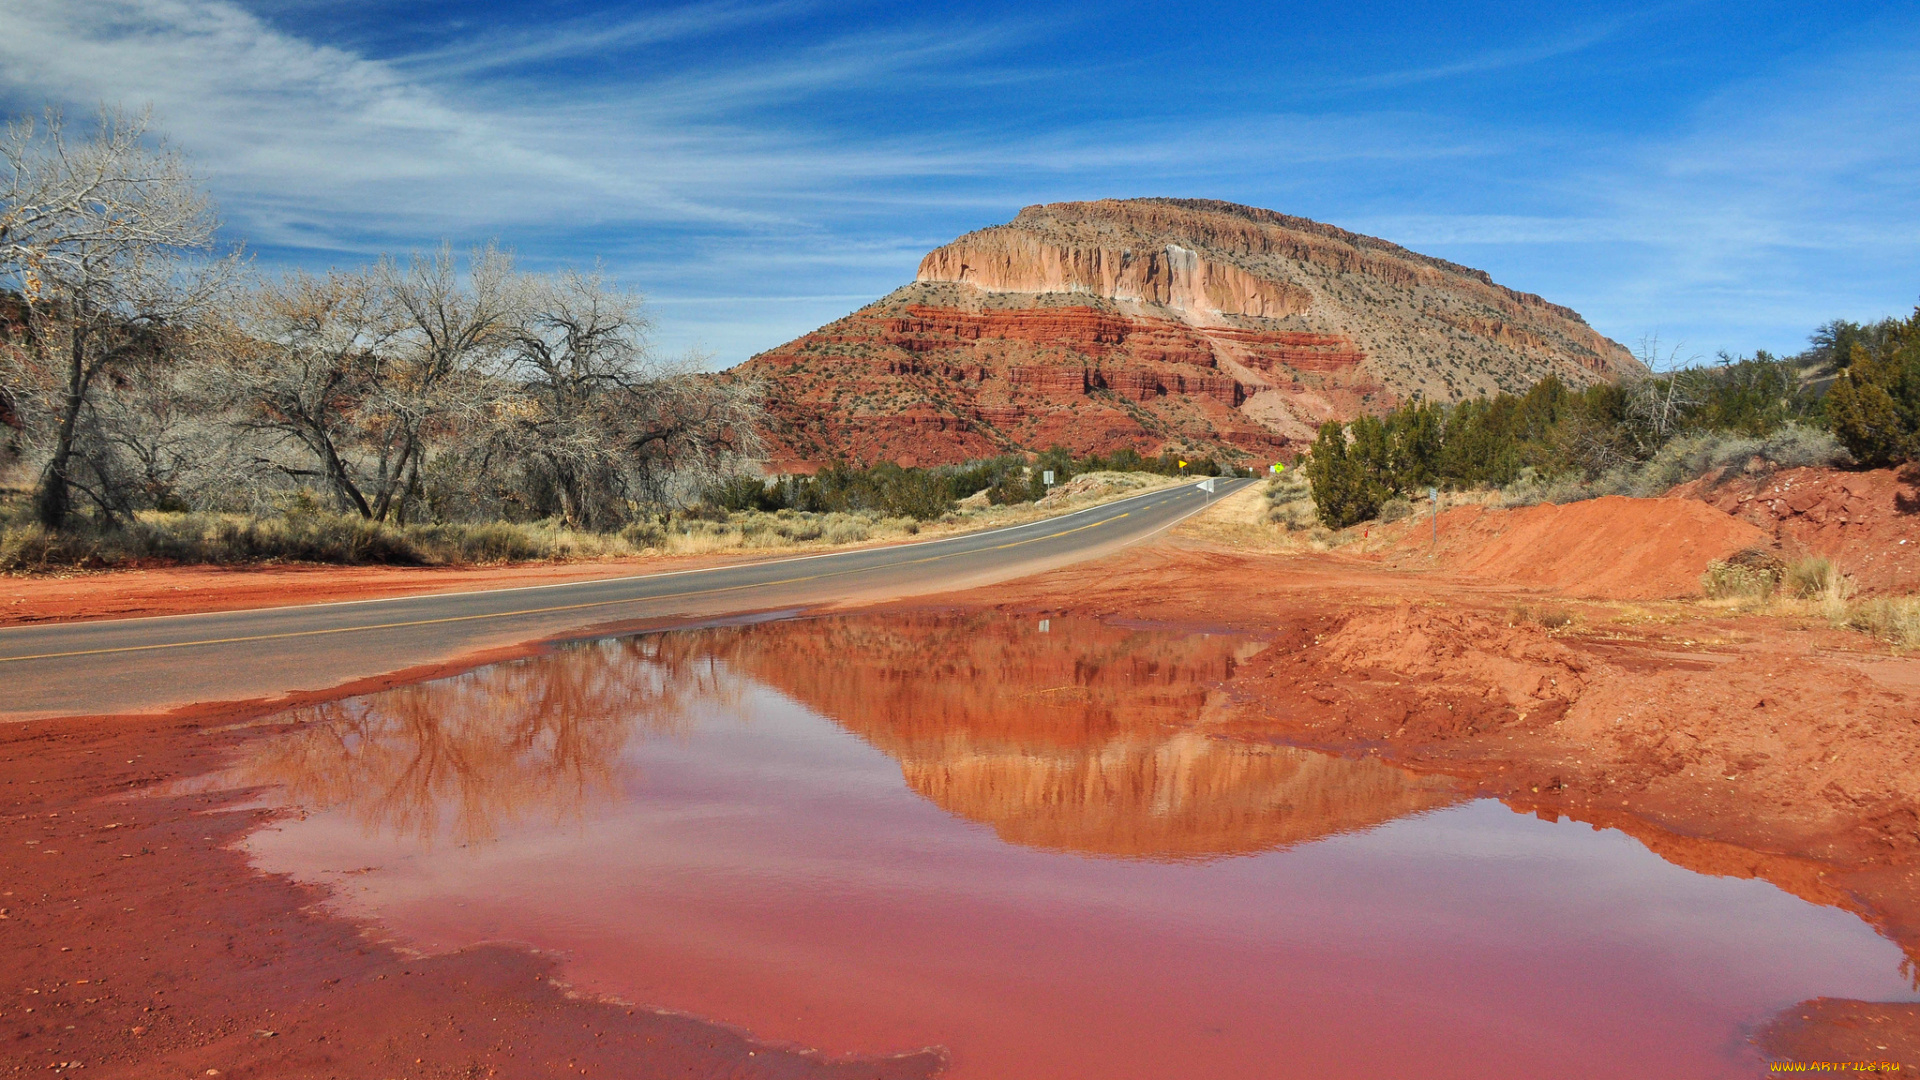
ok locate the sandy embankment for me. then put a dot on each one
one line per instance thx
(1608, 549)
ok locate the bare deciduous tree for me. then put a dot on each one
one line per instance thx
(686, 429)
(301, 364)
(448, 335)
(132, 376)
(576, 359)
(1657, 404)
(99, 238)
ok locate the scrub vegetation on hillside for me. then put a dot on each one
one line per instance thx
(922, 494)
(1852, 397)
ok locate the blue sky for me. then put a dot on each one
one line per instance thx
(1726, 176)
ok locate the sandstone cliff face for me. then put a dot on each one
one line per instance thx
(1192, 325)
(1170, 275)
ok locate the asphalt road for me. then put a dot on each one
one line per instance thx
(146, 665)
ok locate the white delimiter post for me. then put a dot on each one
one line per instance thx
(1433, 494)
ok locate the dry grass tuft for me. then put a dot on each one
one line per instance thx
(1289, 500)
(1811, 577)
(1895, 619)
(1731, 581)
(1751, 576)
(1550, 616)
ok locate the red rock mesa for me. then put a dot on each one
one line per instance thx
(1189, 324)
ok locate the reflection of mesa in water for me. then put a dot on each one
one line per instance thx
(1079, 738)
(1184, 796)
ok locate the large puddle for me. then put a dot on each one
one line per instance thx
(1016, 840)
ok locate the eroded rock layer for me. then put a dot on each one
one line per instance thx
(1153, 324)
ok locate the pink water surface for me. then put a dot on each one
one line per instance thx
(690, 837)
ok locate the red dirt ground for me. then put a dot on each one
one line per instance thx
(1734, 745)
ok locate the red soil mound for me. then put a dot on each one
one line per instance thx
(1613, 548)
(1868, 523)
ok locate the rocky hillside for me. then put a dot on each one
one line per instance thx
(1157, 323)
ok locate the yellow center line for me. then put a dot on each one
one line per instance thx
(543, 610)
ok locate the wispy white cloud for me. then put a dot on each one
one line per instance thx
(315, 147)
(599, 35)
(1493, 60)
(273, 118)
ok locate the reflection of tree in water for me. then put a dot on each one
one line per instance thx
(466, 756)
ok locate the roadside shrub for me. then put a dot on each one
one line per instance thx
(1874, 404)
(1287, 489)
(1013, 487)
(1642, 435)
(845, 532)
(490, 542)
(738, 493)
(1344, 492)
(306, 538)
(803, 530)
(1395, 509)
(342, 539)
(890, 489)
(1749, 575)
(1529, 488)
(703, 512)
(911, 493)
(32, 547)
(306, 534)
(1290, 501)
(644, 534)
(1685, 458)
(1796, 446)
